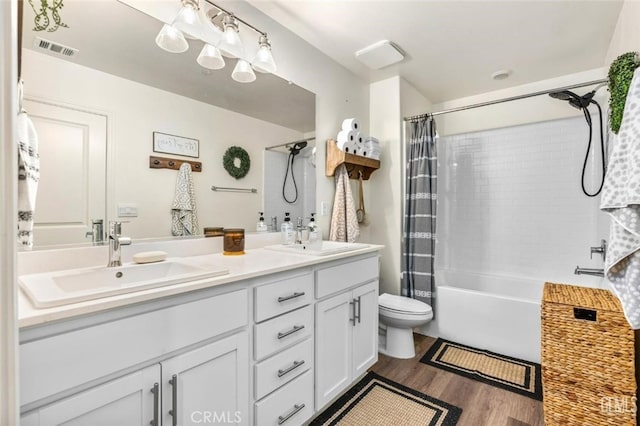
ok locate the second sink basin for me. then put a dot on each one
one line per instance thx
(65, 287)
(325, 248)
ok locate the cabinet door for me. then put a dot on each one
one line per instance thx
(128, 401)
(334, 324)
(208, 385)
(365, 332)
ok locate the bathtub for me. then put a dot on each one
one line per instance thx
(497, 313)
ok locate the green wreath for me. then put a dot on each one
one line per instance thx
(229, 162)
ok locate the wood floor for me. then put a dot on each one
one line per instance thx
(481, 404)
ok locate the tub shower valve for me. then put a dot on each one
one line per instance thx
(602, 250)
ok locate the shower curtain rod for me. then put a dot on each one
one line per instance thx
(499, 101)
(313, 138)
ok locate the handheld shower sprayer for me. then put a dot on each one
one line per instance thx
(293, 151)
(582, 103)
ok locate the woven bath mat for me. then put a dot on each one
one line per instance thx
(376, 400)
(508, 373)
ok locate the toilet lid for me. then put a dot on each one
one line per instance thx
(403, 304)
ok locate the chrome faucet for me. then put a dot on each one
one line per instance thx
(589, 271)
(274, 223)
(115, 241)
(302, 233)
(602, 250)
(97, 232)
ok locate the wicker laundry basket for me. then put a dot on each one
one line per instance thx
(588, 358)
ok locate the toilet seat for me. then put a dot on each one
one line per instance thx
(403, 305)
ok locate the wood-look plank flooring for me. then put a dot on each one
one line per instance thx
(481, 404)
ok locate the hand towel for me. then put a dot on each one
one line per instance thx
(28, 177)
(621, 199)
(344, 222)
(184, 217)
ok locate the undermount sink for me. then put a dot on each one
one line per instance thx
(324, 248)
(76, 285)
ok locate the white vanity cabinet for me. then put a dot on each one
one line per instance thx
(205, 378)
(346, 326)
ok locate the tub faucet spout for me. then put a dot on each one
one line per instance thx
(589, 271)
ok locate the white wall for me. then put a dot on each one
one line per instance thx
(390, 100)
(135, 111)
(626, 37)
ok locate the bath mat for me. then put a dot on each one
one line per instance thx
(376, 400)
(508, 373)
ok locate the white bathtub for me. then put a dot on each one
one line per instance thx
(498, 313)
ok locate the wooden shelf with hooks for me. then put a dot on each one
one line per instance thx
(355, 163)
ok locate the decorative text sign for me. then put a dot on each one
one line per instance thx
(177, 145)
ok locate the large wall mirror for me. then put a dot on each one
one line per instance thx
(97, 100)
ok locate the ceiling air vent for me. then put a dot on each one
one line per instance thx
(55, 48)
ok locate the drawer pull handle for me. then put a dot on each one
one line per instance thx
(359, 316)
(353, 311)
(174, 400)
(292, 296)
(295, 365)
(155, 390)
(295, 329)
(296, 408)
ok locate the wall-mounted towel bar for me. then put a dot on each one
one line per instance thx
(172, 163)
(225, 189)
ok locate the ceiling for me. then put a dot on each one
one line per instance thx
(453, 47)
(117, 39)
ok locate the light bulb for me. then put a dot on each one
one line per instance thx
(263, 61)
(243, 73)
(171, 39)
(210, 58)
(231, 45)
(188, 20)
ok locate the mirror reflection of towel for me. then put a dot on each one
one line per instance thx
(28, 177)
(184, 217)
(344, 222)
(621, 199)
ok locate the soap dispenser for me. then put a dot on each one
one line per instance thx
(261, 226)
(286, 230)
(315, 234)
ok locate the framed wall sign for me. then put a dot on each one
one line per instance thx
(177, 145)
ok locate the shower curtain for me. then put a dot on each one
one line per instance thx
(420, 211)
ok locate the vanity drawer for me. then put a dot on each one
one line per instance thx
(341, 277)
(278, 333)
(291, 406)
(283, 296)
(283, 367)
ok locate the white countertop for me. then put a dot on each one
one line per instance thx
(255, 263)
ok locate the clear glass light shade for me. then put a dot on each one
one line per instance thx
(243, 73)
(171, 39)
(210, 33)
(188, 21)
(231, 45)
(263, 62)
(210, 58)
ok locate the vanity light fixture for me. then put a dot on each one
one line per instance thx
(263, 62)
(171, 40)
(219, 30)
(187, 20)
(231, 45)
(243, 73)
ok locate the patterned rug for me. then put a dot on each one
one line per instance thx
(376, 400)
(508, 373)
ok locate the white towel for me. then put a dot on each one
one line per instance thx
(621, 199)
(344, 222)
(28, 177)
(184, 217)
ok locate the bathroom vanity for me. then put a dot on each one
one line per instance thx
(270, 343)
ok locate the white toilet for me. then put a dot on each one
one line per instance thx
(398, 315)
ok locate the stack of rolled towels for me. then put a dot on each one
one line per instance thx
(354, 141)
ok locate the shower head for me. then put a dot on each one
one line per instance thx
(578, 102)
(296, 148)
